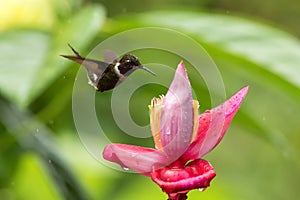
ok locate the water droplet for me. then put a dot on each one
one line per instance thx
(168, 133)
(201, 189)
(126, 168)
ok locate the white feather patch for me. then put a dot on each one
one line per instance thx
(116, 68)
(95, 77)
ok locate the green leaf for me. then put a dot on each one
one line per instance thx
(30, 60)
(35, 137)
(274, 49)
(22, 54)
(30, 166)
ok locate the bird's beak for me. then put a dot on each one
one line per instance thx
(147, 70)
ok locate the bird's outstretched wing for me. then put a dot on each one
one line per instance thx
(94, 68)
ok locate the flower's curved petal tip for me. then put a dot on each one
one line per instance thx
(244, 91)
(180, 81)
(139, 159)
(246, 87)
(181, 69)
(181, 64)
(240, 95)
(233, 103)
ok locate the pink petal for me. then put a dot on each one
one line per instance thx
(176, 124)
(213, 125)
(140, 159)
(196, 174)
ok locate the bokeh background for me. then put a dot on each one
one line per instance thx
(253, 43)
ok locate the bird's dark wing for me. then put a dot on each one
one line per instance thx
(94, 68)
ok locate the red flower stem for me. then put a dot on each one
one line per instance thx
(179, 196)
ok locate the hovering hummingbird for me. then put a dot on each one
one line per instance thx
(106, 76)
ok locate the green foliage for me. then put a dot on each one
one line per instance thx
(41, 156)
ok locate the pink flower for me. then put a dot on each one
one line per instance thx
(181, 139)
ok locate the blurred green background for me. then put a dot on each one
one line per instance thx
(253, 43)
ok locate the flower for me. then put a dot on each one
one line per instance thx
(181, 139)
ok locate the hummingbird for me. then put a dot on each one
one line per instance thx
(106, 76)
